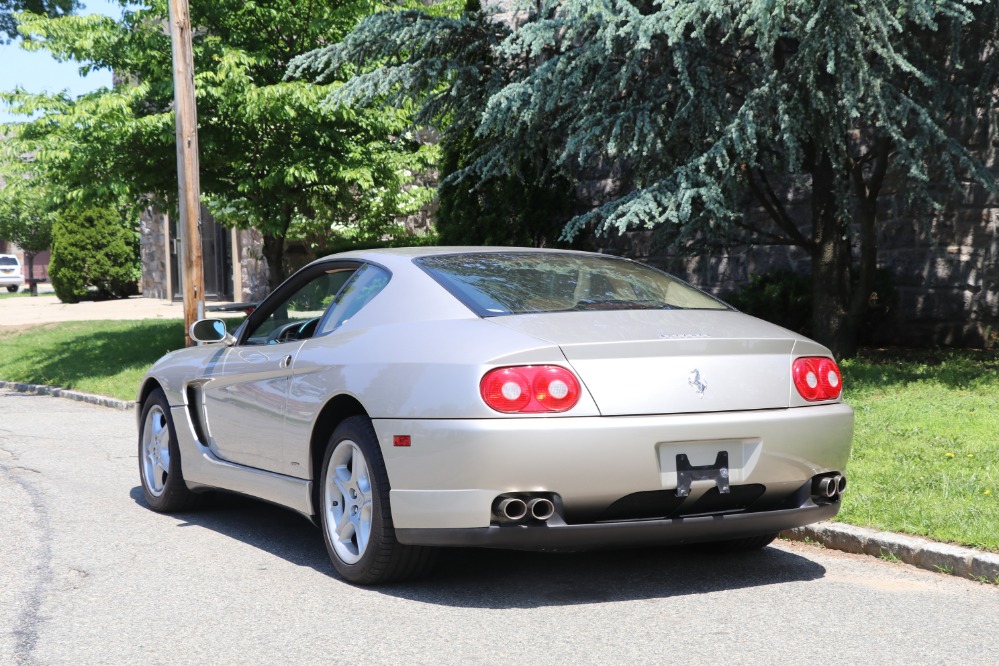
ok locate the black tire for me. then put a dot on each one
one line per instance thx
(12, 288)
(163, 485)
(742, 545)
(353, 492)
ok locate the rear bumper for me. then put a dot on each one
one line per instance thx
(625, 533)
(452, 471)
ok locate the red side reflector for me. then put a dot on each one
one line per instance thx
(401, 440)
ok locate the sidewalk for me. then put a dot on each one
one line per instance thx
(46, 308)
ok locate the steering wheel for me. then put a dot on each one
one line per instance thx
(293, 330)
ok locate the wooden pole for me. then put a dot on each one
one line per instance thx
(189, 185)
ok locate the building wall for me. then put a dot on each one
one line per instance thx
(253, 274)
(945, 270)
(153, 229)
(250, 283)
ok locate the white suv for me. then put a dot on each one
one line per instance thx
(11, 275)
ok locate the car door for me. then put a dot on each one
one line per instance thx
(317, 376)
(245, 398)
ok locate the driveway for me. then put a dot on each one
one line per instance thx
(46, 308)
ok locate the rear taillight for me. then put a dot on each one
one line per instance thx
(530, 389)
(817, 378)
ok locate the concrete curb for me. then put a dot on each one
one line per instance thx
(919, 552)
(40, 389)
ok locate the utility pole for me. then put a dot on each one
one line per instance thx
(189, 185)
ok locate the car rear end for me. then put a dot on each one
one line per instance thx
(11, 274)
(664, 421)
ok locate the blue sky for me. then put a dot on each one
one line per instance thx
(39, 72)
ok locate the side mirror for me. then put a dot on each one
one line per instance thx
(210, 330)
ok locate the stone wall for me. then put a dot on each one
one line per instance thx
(252, 266)
(153, 255)
(248, 259)
(946, 275)
(945, 270)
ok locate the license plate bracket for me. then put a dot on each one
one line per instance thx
(687, 473)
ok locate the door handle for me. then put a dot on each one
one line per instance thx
(286, 361)
(252, 356)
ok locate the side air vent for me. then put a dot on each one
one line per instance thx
(196, 412)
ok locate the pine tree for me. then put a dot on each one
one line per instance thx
(704, 106)
(9, 9)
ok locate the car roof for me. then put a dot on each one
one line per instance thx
(393, 257)
(401, 258)
(425, 251)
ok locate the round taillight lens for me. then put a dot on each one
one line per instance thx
(555, 388)
(817, 378)
(830, 379)
(506, 390)
(530, 389)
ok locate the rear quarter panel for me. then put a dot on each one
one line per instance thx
(427, 370)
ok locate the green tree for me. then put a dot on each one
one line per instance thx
(273, 156)
(706, 106)
(458, 68)
(9, 9)
(95, 253)
(27, 209)
(528, 208)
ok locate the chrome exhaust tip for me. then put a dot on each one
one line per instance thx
(511, 508)
(541, 508)
(829, 487)
(826, 487)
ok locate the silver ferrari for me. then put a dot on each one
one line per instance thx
(408, 399)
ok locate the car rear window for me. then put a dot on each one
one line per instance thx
(504, 283)
(8, 261)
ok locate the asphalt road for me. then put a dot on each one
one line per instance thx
(88, 575)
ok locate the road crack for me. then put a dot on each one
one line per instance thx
(29, 618)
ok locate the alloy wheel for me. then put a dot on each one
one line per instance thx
(347, 501)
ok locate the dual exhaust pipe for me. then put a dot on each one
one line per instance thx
(515, 509)
(829, 487)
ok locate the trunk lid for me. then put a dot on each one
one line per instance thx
(670, 361)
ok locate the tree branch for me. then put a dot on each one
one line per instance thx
(768, 199)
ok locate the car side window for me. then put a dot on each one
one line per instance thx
(363, 285)
(298, 316)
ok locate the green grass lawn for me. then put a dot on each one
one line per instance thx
(103, 357)
(926, 450)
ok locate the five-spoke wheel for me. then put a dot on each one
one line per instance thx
(348, 502)
(155, 453)
(159, 460)
(354, 510)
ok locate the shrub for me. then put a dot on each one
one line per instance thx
(527, 209)
(785, 298)
(94, 256)
(876, 324)
(782, 297)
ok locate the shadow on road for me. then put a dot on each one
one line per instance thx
(496, 579)
(270, 528)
